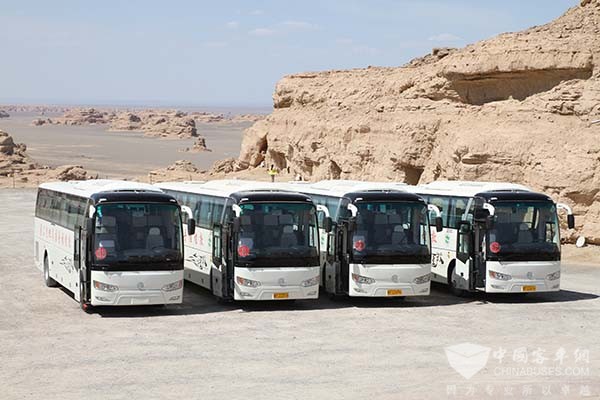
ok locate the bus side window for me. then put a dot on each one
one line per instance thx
(443, 204)
(458, 206)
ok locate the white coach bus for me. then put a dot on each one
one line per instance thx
(110, 242)
(252, 242)
(375, 242)
(497, 237)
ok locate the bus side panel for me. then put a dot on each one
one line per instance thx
(198, 252)
(58, 243)
(443, 249)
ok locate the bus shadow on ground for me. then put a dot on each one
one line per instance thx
(200, 301)
(562, 296)
(438, 297)
(196, 301)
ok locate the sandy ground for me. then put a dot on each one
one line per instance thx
(346, 349)
(118, 154)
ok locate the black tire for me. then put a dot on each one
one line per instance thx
(83, 303)
(452, 279)
(47, 280)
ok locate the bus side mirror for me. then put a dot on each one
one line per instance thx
(489, 222)
(464, 227)
(571, 221)
(89, 225)
(351, 224)
(481, 214)
(327, 224)
(439, 225)
(236, 224)
(191, 226)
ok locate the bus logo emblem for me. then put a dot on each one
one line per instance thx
(140, 285)
(395, 278)
(281, 281)
(530, 275)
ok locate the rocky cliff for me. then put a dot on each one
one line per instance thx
(521, 107)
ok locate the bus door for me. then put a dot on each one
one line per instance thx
(343, 264)
(80, 259)
(482, 220)
(221, 274)
(331, 272)
(478, 260)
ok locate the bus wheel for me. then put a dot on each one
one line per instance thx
(85, 306)
(453, 282)
(47, 280)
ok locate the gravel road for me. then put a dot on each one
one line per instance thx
(539, 346)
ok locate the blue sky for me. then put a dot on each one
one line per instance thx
(226, 53)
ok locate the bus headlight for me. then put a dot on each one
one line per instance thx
(422, 279)
(247, 282)
(172, 286)
(553, 276)
(310, 282)
(105, 287)
(500, 276)
(362, 279)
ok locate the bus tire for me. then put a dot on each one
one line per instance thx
(83, 303)
(452, 282)
(47, 280)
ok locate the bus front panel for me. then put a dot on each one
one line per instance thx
(276, 255)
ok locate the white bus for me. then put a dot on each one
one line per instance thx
(110, 242)
(497, 237)
(375, 242)
(252, 242)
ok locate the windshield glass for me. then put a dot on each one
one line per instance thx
(278, 234)
(391, 233)
(137, 234)
(524, 231)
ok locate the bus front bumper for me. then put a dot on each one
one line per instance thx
(522, 276)
(394, 280)
(521, 286)
(135, 297)
(276, 293)
(136, 288)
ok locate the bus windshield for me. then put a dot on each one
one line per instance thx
(278, 234)
(391, 233)
(141, 236)
(524, 231)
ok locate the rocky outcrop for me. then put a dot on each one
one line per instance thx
(198, 147)
(156, 123)
(17, 169)
(519, 107)
(13, 156)
(207, 117)
(4, 114)
(83, 116)
(152, 123)
(71, 173)
(41, 121)
(181, 170)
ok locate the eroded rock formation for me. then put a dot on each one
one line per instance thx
(13, 156)
(518, 107)
(156, 123)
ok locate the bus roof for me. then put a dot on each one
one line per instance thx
(90, 187)
(466, 188)
(224, 187)
(341, 188)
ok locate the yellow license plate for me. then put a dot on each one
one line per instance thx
(394, 292)
(281, 295)
(529, 288)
